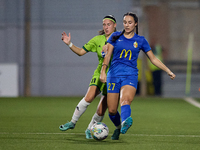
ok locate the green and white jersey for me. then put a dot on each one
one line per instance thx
(96, 45)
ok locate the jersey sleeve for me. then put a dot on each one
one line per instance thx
(145, 46)
(91, 46)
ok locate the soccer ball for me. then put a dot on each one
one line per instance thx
(99, 131)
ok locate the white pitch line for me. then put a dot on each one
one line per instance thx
(192, 101)
(144, 135)
(165, 135)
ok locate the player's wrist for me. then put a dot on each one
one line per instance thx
(104, 65)
(70, 44)
(170, 73)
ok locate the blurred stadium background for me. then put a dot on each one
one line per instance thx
(30, 42)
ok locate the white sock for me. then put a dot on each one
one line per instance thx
(80, 109)
(95, 118)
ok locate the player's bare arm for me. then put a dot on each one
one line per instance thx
(159, 64)
(67, 40)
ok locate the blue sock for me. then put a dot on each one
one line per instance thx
(125, 112)
(115, 119)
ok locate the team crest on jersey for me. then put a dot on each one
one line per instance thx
(135, 44)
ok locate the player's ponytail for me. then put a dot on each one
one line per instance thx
(115, 38)
(137, 29)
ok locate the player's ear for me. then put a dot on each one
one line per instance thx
(135, 24)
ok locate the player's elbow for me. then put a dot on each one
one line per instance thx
(81, 52)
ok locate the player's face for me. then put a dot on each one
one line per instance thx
(108, 27)
(129, 24)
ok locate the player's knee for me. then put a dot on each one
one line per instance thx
(125, 101)
(112, 111)
(100, 112)
(89, 99)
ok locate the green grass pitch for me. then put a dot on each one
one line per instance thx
(158, 124)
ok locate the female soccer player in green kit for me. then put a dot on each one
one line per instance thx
(96, 44)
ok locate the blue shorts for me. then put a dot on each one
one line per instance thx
(114, 84)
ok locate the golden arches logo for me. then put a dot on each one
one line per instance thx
(126, 53)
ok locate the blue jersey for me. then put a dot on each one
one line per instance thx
(125, 54)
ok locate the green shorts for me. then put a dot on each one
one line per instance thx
(95, 81)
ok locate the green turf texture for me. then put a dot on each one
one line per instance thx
(158, 124)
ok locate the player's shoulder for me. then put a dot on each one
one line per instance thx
(116, 33)
(99, 36)
(139, 36)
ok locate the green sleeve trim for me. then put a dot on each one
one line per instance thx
(85, 49)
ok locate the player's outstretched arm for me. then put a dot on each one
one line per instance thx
(67, 40)
(154, 60)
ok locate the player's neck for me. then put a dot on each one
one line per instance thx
(129, 35)
(107, 36)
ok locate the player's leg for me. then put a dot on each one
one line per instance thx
(98, 116)
(113, 88)
(114, 115)
(101, 108)
(92, 92)
(127, 94)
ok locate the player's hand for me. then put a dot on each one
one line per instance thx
(66, 39)
(105, 49)
(103, 77)
(172, 75)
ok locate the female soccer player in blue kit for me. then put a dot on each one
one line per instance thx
(96, 44)
(122, 76)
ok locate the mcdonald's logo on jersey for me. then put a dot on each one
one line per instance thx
(126, 53)
(135, 44)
